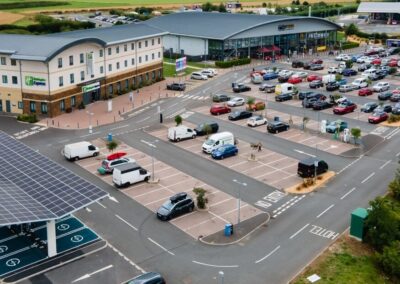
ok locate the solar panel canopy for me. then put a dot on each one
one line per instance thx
(34, 188)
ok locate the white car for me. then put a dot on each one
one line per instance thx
(236, 102)
(211, 70)
(109, 165)
(198, 76)
(362, 59)
(333, 70)
(301, 74)
(381, 87)
(208, 73)
(285, 73)
(256, 120)
(342, 57)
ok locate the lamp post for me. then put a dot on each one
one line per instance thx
(152, 146)
(244, 185)
(90, 114)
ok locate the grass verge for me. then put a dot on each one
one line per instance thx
(169, 70)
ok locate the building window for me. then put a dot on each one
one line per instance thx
(71, 60)
(153, 75)
(140, 59)
(3, 60)
(20, 105)
(62, 105)
(110, 89)
(126, 84)
(119, 87)
(109, 67)
(159, 40)
(4, 79)
(82, 75)
(147, 76)
(152, 41)
(101, 70)
(133, 61)
(32, 106)
(159, 54)
(159, 73)
(59, 62)
(152, 56)
(43, 108)
(140, 44)
(145, 43)
(132, 46)
(117, 65)
(125, 47)
(146, 58)
(134, 81)
(73, 101)
(13, 62)
(117, 49)
(14, 80)
(109, 51)
(60, 81)
(126, 63)
(71, 78)
(100, 53)
(81, 58)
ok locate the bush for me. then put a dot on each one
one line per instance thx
(235, 62)
(393, 118)
(201, 199)
(31, 118)
(389, 260)
(349, 44)
(392, 70)
(178, 120)
(394, 186)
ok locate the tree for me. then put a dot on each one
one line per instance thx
(264, 5)
(382, 223)
(305, 3)
(178, 120)
(207, 7)
(338, 77)
(207, 129)
(352, 29)
(349, 63)
(112, 145)
(221, 8)
(356, 133)
(394, 186)
(389, 260)
(250, 100)
(201, 199)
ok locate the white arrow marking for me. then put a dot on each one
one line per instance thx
(113, 199)
(86, 276)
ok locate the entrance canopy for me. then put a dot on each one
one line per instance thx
(33, 188)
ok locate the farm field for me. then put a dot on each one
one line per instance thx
(7, 18)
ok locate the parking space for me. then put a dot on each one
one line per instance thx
(323, 143)
(20, 248)
(269, 167)
(222, 208)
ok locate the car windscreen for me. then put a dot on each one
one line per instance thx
(168, 205)
(210, 142)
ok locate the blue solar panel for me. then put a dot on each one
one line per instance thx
(34, 188)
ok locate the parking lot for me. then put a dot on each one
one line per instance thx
(222, 208)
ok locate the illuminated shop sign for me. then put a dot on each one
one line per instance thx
(318, 35)
(34, 81)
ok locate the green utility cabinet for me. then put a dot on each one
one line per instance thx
(358, 217)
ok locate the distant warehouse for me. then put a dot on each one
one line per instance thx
(222, 35)
(381, 12)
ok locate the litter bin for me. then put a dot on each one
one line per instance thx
(109, 137)
(228, 230)
(276, 118)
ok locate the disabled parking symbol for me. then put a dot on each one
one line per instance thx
(3, 249)
(13, 262)
(63, 227)
(76, 239)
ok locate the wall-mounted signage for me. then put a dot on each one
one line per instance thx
(318, 35)
(91, 87)
(285, 27)
(34, 81)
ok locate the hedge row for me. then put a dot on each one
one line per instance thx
(31, 118)
(34, 4)
(236, 62)
(328, 11)
(350, 44)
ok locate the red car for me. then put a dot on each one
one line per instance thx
(396, 91)
(392, 63)
(365, 92)
(376, 61)
(344, 108)
(317, 61)
(219, 109)
(377, 117)
(294, 80)
(311, 78)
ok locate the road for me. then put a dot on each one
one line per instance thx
(276, 252)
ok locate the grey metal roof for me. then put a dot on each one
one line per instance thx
(216, 25)
(45, 47)
(379, 7)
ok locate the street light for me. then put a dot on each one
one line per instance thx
(244, 185)
(90, 121)
(152, 146)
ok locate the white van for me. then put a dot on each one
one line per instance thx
(128, 174)
(198, 76)
(360, 83)
(179, 133)
(285, 88)
(328, 78)
(217, 140)
(369, 73)
(80, 150)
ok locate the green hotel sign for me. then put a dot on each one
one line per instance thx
(34, 81)
(91, 87)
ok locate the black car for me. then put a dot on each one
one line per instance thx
(306, 168)
(201, 129)
(277, 126)
(239, 88)
(385, 108)
(332, 86)
(269, 88)
(369, 107)
(320, 104)
(147, 278)
(176, 87)
(240, 115)
(297, 64)
(316, 67)
(220, 98)
(283, 79)
(316, 84)
(304, 94)
(306, 66)
(385, 96)
(363, 67)
(283, 97)
(309, 103)
(176, 205)
(378, 76)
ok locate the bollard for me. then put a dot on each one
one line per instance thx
(97, 122)
(119, 112)
(78, 124)
(52, 121)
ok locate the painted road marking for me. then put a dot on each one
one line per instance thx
(268, 255)
(213, 265)
(304, 153)
(298, 232)
(349, 165)
(263, 204)
(287, 205)
(274, 196)
(126, 222)
(350, 191)
(86, 276)
(160, 246)
(325, 233)
(326, 210)
(368, 177)
(385, 164)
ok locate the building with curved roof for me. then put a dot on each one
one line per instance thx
(52, 74)
(221, 35)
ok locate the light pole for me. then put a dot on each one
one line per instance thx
(244, 185)
(90, 121)
(152, 146)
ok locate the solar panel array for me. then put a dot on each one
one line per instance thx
(34, 188)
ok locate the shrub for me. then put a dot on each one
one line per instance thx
(349, 44)
(31, 118)
(394, 186)
(201, 199)
(112, 145)
(393, 118)
(178, 120)
(356, 133)
(235, 62)
(392, 70)
(81, 105)
(389, 260)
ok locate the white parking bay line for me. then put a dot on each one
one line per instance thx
(126, 222)
(350, 191)
(385, 164)
(326, 210)
(268, 255)
(160, 246)
(295, 234)
(368, 177)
